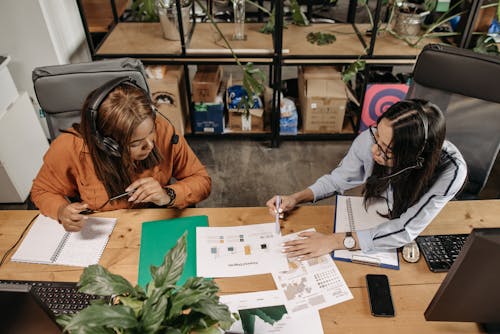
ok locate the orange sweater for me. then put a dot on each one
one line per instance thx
(68, 171)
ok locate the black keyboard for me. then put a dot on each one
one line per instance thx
(440, 251)
(59, 297)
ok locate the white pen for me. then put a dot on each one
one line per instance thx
(278, 204)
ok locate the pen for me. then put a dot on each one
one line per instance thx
(278, 204)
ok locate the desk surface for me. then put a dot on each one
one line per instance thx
(413, 286)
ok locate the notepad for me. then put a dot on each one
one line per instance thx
(158, 237)
(351, 215)
(47, 242)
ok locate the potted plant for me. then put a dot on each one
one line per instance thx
(162, 307)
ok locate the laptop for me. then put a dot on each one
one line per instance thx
(22, 312)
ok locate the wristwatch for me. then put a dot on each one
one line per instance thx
(349, 241)
(171, 193)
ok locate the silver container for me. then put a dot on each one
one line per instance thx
(409, 20)
(167, 12)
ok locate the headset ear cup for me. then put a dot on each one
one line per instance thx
(108, 145)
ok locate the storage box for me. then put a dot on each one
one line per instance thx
(206, 82)
(322, 100)
(8, 90)
(239, 119)
(167, 87)
(209, 117)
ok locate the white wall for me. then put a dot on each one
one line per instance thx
(39, 33)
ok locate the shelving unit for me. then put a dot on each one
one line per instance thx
(286, 47)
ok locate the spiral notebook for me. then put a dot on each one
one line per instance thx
(351, 215)
(48, 242)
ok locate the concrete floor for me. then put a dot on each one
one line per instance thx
(248, 172)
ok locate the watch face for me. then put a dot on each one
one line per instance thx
(349, 242)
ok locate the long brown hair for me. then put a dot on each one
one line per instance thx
(408, 147)
(118, 116)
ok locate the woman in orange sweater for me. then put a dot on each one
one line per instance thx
(121, 145)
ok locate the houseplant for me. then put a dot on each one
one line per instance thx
(161, 308)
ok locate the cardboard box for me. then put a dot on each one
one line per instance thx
(209, 117)
(168, 92)
(240, 120)
(322, 100)
(206, 82)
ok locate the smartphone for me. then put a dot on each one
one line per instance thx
(380, 295)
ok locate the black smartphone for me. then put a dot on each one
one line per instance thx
(380, 295)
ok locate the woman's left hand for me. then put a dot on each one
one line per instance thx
(148, 190)
(312, 245)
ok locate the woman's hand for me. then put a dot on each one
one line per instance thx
(287, 204)
(70, 218)
(148, 190)
(312, 245)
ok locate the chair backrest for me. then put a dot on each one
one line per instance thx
(61, 90)
(465, 85)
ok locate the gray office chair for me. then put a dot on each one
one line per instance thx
(62, 89)
(465, 85)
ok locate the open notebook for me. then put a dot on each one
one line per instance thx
(48, 242)
(351, 215)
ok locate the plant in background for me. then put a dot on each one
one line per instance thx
(321, 38)
(144, 10)
(486, 45)
(162, 308)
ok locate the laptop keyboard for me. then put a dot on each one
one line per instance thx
(59, 297)
(440, 251)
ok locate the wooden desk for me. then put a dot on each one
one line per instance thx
(413, 286)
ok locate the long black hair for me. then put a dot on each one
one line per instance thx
(418, 133)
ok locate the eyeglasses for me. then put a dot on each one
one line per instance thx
(387, 153)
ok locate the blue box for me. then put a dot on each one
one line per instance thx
(209, 117)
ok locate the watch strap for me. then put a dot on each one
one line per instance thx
(171, 194)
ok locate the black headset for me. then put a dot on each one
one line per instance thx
(419, 160)
(108, 144)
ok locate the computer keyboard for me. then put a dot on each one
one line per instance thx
(440, 251)
(59, 297)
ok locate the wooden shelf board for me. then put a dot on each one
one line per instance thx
(206, 40)
(388, 45)
(347, 42)
(99, 15)
(138, 38)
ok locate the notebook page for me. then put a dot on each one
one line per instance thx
(41, 242)
(85, 247)
(363, 219)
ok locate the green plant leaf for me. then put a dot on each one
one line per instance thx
(351, 71)
(101, 318)
(97, 280)
(298, 16)
(268, 28)
(154, 311)
(321, 38)
(134, 303)
(169, 272)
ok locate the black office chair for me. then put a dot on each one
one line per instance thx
(62, 89)
(465, 85)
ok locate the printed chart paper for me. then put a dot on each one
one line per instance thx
(311, 284)
(238, 250)
(265, 312)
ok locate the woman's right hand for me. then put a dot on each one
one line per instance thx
(70, 217)
(287, 204)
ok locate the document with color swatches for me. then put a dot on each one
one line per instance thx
(238, 250)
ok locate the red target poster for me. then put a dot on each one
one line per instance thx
(378, 98)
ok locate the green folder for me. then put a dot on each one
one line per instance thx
(158, 237)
